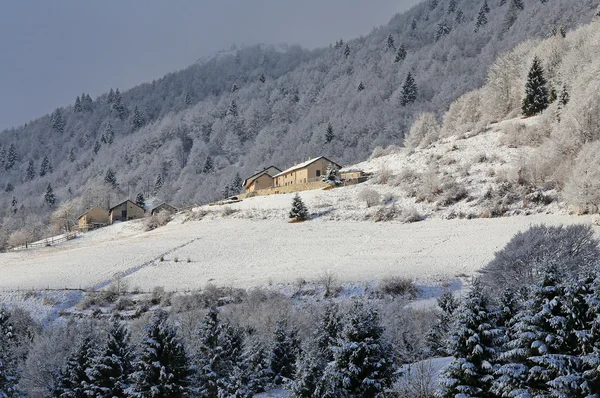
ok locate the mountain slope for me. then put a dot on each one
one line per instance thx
(225, 110)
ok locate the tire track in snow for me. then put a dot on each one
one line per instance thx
(136, 268)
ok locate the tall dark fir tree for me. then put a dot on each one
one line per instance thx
(537, 97)
(409, 91)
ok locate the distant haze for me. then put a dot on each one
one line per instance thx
(54, 50)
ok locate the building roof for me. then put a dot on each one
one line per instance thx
(87, 211)
(128, 200)
(163, 204)
(252, 178)
(305, 164)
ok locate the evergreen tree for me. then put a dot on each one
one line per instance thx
(87, 104)
(208, 165)
(13, 205)
(564, 97)
(481, 18)
(250, 375)
(236, 184)
(472, 344)
(49, 197)
(109, 135)
(233, 109)
(77, 107)
(110, 368)
(331, 175)
(163, 368)
(30, 174)
(437, 337)
(9, 375)
(9, 187)
(234, 88)
(11, 157)
(329, 133)
(117, 105)
(138, 120)
(347, 51)
(451, 6)
(110, 178)
(188, 99)
(72, 379)
(2, 157)
(360, 87)
(485, 7)
(536, 91)
(460, 17)
(590, 366)
(409, 91)
(284, 352)
(96, 147)
(518, 4)
(111, 96)
(391, 45)
(401, 54)
(443, 29)
(299, 211)
(158, 183)
(262, 78)
(72, 155)
(226, 191)
(140, 201)
(57, 122)
(363, 364)
(45, 166)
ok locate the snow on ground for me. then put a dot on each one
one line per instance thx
(246, 253)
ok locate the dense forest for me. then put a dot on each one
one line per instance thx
(187, 136)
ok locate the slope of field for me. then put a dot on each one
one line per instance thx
(246, 253)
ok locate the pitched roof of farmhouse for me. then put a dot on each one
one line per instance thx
(163, 204)
(88, 210)
(305, 164)
(128, 200)
(251, 179)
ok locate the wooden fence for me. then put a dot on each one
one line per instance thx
(47, 242)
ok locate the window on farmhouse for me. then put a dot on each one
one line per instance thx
(318, 173)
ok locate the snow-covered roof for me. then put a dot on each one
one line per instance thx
(128, 200)
(268, 171)
(88, 210)
(303, 165)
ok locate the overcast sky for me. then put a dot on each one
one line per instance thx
(52, 50)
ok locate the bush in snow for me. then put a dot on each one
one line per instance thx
(423, 132)
(398, 286)
(582, 189)
(157, 220)
(411, 215)
(299, 211)
(573, 249)
(370, 196)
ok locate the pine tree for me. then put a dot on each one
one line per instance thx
(208, 165)
(233, 109)
(299, 211)
(110, 368)
(460, 17)
(140, 201)
(226, 191)
(72, 379)
(451, 6)
(485, 7)
(49, 197)
(401, 54)
(590, 366)
(138, 120)
(2, 157)
(163, 368)
(250, 375)
(96, 147)
(481, 18)
(11, 157)
(9, 376)
(188, 99)
(331, 175)
(109, 135)
(234, 88)
(262, 78)
(13, 205)
(363, 364)
(57, 121)
(72, 155)
(360, 87)
(329, 136)
(158, 183)
(45, 166)
(536, 90)
(443, 29)
(564, 97)
(284, 351)
(518, 4)
(437, 337)
(391, 45)
(77, 107)
(110, 178)
(117, 105)
(87, 104)
(472, 344)
(347, 51)
(111, 96)
(9, 187)
(236, 184)
(409, 91)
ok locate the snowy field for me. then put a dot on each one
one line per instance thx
(246, 253)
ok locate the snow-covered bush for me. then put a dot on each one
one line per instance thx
(424, 131)
(387, 213)
(398, 286)
(518, 134)
(572, 249)
(411, 215)
(157, 220)
(582, 189)
(370, 196)
(463, 115)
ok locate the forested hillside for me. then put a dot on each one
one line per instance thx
(185, 137)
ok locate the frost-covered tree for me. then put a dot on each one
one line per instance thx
(96, 147)
(250, 375)
(162, 368)
(158, 184)
(11, 157)
(109, 134)
(49, 197)
(9, 374)
(443, 29)
(45, 166)
(329, 136)
(363, 364)
(72, 379)
(233, 109)
(110, 178)
(9, 187)
(331, 175)
(481, 18)
(391, 45)
(140, 200)
(437, 337)
(77, 107)
(347, 51)
(409, 91)
(423, 132)
(111, 96)
(472, 344)
(118, 107)
(284, 352)
(110, 367)
(137, 120)
(536, 91)
(400, 54)
(360, 87)
(236, 184)
(451, 6)
(299, 211)
(208, 165)
(57, 122)
(72, 156)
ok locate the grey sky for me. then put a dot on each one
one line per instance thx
(52, 50)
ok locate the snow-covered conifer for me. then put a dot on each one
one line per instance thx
(45, 166)
(158, 183)
(72, 380)
(536, 90)
(299, 211)
(49, 197)
(391, 45)
(57, 121)
(138, 120)
(284, 352)
(400, 54)
(72, 155)
(9, 375)
(77, 107)
(111, 178)
(208, 165)
(409, 91)
(11, 157)
(437, 337)
(140, 200)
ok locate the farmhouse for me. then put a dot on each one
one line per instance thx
(261, 180)
(163, 207)
(309, 171)
(93, 218)
(125, 211)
